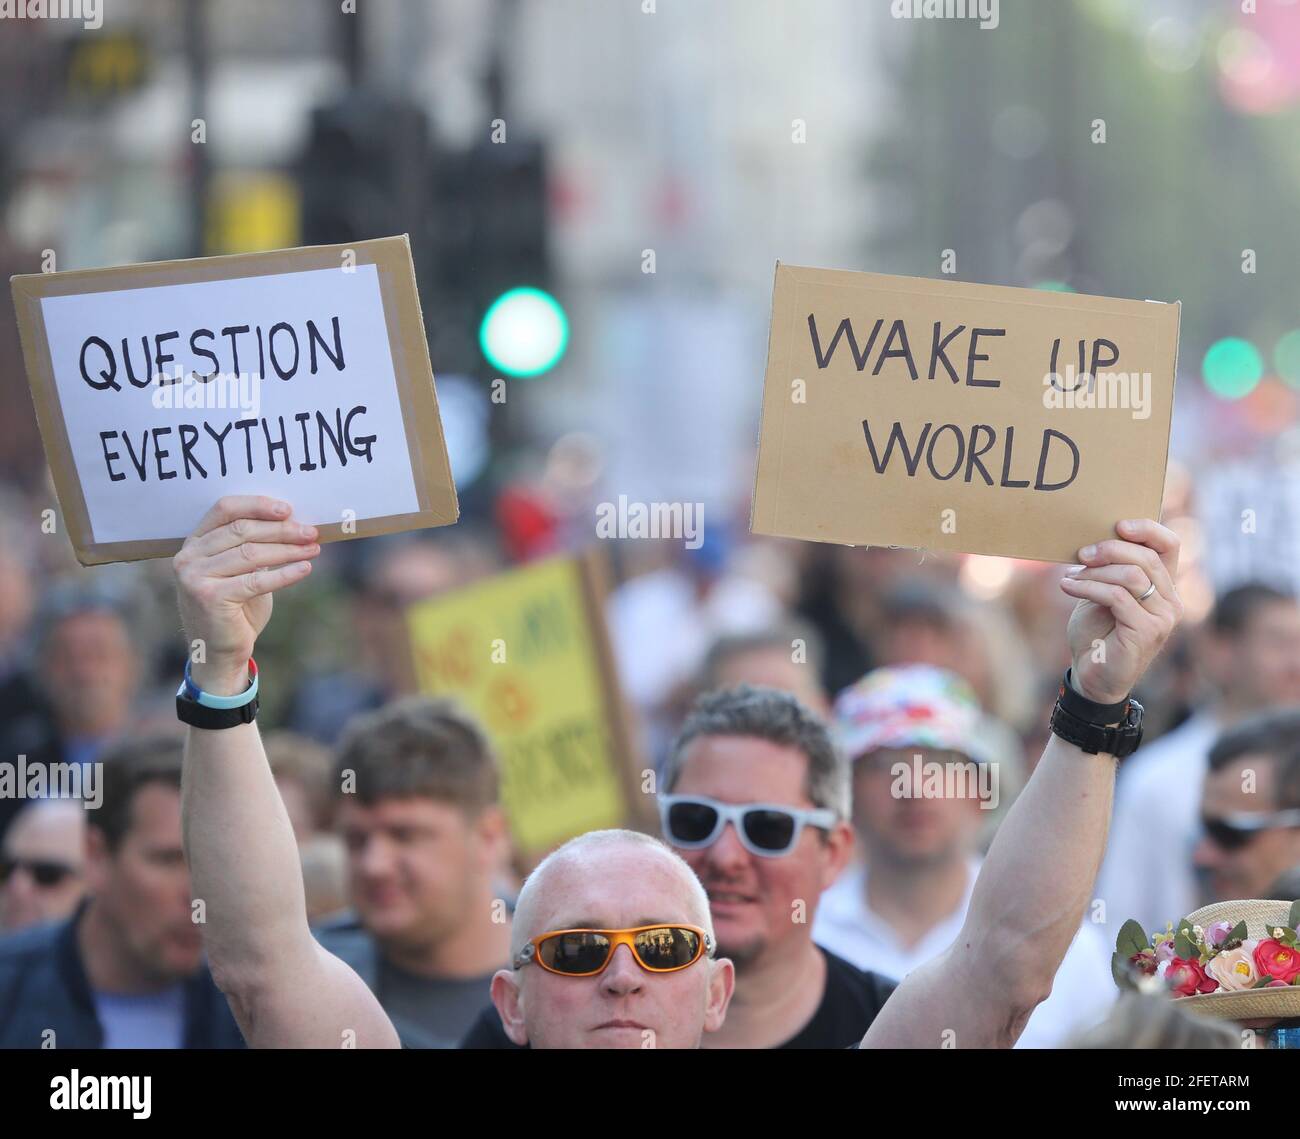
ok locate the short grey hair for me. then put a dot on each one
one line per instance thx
(779, 718)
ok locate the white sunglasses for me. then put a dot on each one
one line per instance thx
(766, 829)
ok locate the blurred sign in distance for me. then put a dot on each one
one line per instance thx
(301, 373)
(524, 332)
(526, 652)
(250, 211)
(106, 64)
(899, 411)
(1250, 514)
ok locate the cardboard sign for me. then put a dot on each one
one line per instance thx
(974, 418)
(302, 374)
(527, 653)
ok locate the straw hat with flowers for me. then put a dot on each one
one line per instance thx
(1231, 960)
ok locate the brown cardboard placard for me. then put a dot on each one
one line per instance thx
(387, 309)
(900, 411)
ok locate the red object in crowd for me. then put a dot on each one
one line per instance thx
(529, 527)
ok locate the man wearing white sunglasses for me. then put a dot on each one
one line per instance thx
(612, 947)
(757, 801)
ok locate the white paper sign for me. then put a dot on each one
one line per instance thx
(280, 384)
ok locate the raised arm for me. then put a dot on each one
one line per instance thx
(283, 988)
(1041, 869)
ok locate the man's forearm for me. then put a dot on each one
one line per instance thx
(1039, 874)
(1030, 895)
(244, 862)
(283, 987)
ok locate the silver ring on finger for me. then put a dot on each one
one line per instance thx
(1150, 590)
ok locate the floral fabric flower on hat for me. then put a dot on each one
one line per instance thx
(1190, 960)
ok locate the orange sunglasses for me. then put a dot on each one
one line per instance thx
(586, 952)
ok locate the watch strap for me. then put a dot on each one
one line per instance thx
(1097, 739)
(201, 716)
(1078, 705)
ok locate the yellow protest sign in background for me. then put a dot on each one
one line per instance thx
(526, 652)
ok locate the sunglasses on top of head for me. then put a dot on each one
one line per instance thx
(1233, 831)
(766, 829)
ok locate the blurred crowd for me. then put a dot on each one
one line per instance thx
(394, 797)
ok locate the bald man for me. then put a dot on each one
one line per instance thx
(614, 879)
(614, 947)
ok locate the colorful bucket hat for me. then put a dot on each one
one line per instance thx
(916, 706)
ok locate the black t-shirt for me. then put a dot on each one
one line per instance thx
(849, 1004)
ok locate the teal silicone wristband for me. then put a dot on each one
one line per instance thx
(208, 700)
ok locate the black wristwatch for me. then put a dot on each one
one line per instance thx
(201, 716)
(1092, 726)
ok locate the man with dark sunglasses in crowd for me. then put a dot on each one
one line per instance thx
(41, 866)
(1247, 652)
(612, 946)
(1250, 809)
(126, 970)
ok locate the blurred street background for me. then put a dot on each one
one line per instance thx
(646, 163)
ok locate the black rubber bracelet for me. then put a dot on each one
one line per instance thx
(1120, 741)
(1078, 705)
(201, 716)
(1090, 737)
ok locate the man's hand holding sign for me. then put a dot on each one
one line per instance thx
(1128, 606)
(242, 551)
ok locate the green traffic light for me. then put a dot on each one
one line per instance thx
(1232, 367)
(524, 332)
